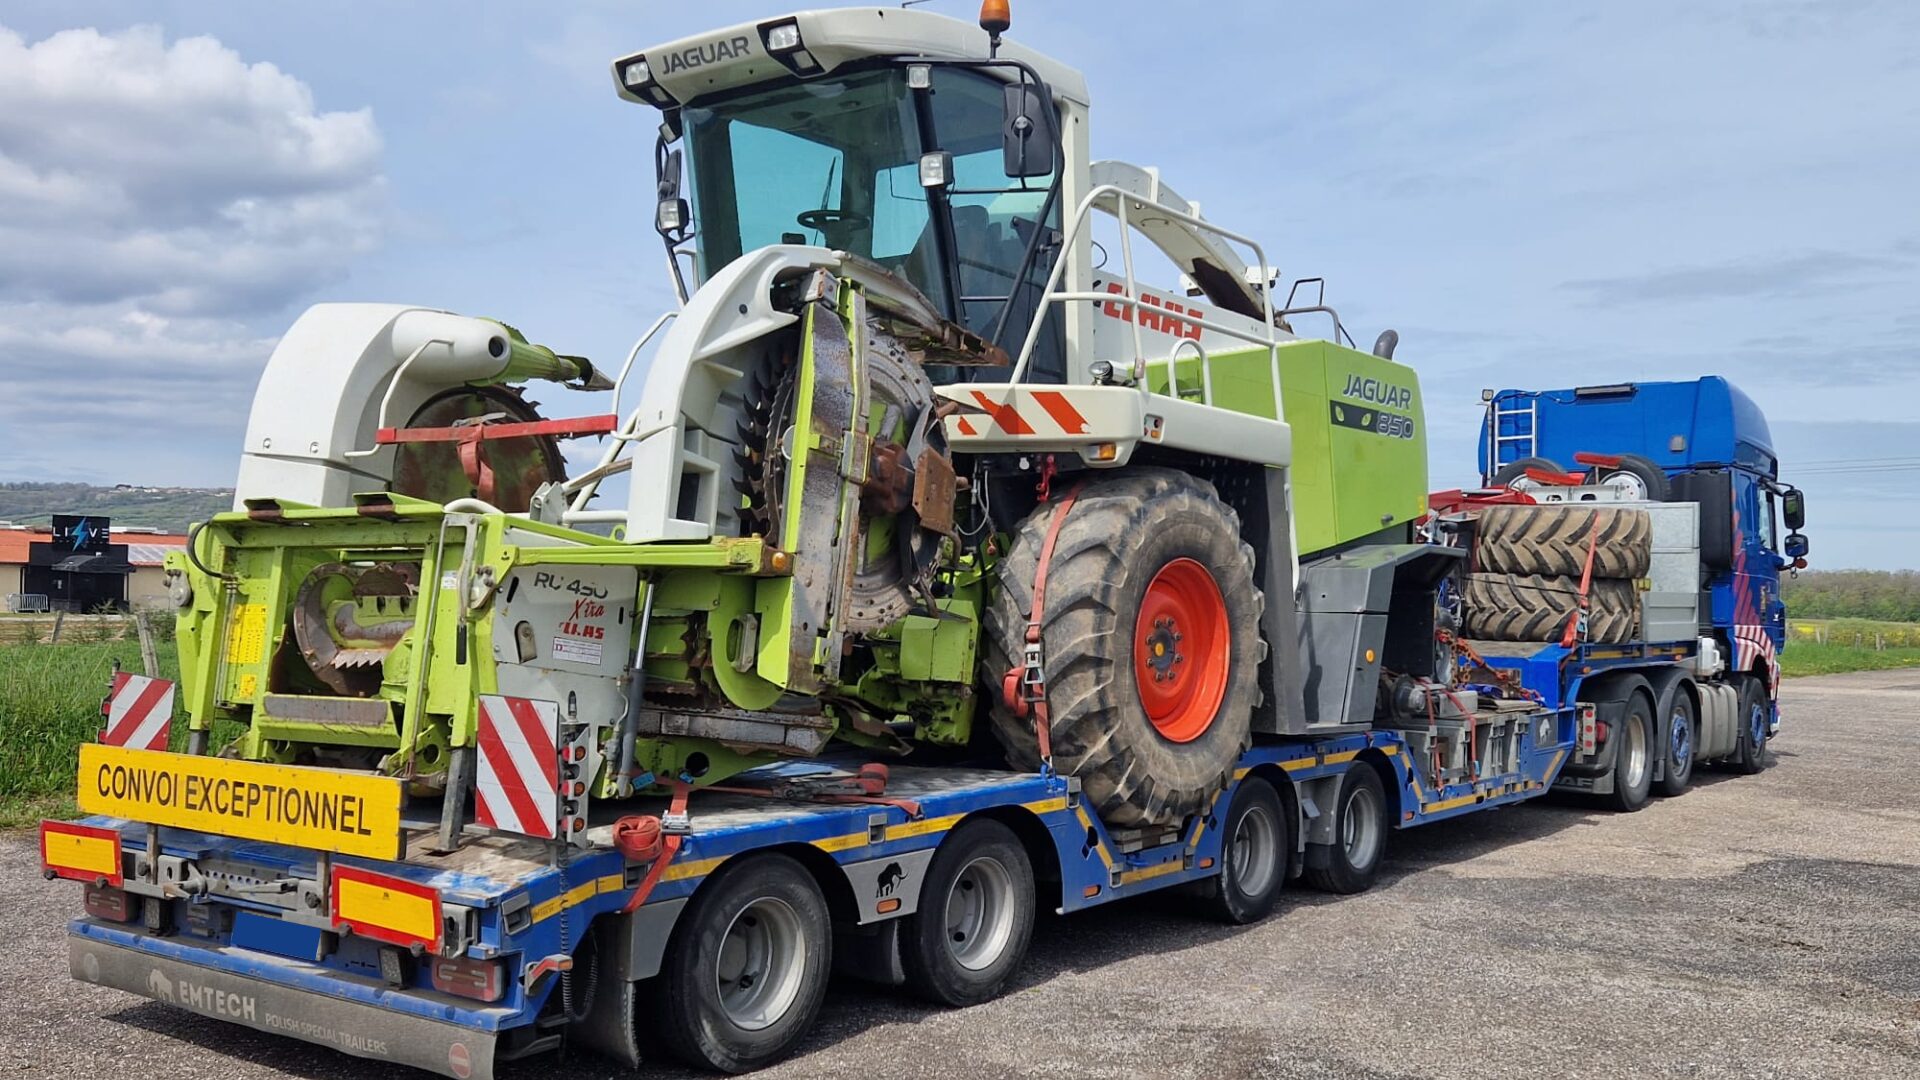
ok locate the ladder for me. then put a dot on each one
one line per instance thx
(1512, 431)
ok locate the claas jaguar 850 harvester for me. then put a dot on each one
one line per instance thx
(937, 569)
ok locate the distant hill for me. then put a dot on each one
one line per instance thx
(169, 508)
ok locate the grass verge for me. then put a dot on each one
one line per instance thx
(49, 704)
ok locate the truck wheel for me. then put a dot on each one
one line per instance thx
(1683, 740)
(746, 968)
(1637, 477)
(1751, 755)
(975, 918)
(1553, 539)
(1360, 828)
(1150, 640)
(1633, 756)
(1253, 856)
(1533, 607)
(1514, 473)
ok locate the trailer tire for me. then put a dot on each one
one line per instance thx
(1148, 576)
(1553, 539)
(746, 968)
(1750, 754)
(1534, 607)
(1682, 742)
(1360, 827)
(1633, 750)
(975, 917)
(1254, 846)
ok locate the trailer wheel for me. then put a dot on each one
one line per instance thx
(1150, 639)
(975, 918)
(1350, 864)
(1751, 755)
(1253, 856)
(1637, 477)
(747, 966)
(1683, 741)
(1633, 756)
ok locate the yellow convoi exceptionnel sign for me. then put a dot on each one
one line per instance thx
(323, 809)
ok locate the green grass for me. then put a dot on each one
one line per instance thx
(1832, 646)
(50, 704)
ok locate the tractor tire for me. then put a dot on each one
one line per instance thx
(1554, 538)
(1640, 478)
(1150, 642)
(1533, 607)
(1513, 474)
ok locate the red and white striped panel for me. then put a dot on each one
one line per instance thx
(139, 712)
(1047, 413)
(518, 780)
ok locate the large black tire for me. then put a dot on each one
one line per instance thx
(768, 895)
(1360, 827)
(1633, 754)
(1553, 539)
(1750, 754)
(1530, 607)
(1118, 537)
(1641, 477)
(1514, 473)
(975, 917)
(1682, 743)
(1255, 845)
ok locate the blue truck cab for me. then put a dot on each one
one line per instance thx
(1701, 440)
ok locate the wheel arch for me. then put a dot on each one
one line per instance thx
(1282, 785)
(1390, 784)
(1042, 852)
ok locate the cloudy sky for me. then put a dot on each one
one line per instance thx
(1533, 194)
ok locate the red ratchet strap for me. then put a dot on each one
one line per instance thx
(669, 846)
(1577, 621)
(1024, 688)
(868, 787)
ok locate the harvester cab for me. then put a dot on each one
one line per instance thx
(906, 457)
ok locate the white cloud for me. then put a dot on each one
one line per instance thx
(162, 205)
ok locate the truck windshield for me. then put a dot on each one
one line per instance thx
(835, 162)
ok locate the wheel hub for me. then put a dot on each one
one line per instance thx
(1182, 644)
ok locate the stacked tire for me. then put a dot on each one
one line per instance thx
(1529, 561)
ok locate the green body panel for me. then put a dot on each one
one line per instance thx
(1359, 437)
(721, 638)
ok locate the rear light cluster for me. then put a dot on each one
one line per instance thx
(481, 980)
(111, 904)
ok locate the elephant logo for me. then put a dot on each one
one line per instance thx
(890, 878)
(159, 986)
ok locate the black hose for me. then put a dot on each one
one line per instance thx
(193, 554)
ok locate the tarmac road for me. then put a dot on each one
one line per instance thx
(1761, 926)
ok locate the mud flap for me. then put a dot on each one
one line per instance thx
(348, 1026)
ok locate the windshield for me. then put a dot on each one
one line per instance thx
(835, 162)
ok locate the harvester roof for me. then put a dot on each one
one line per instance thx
(718, 60)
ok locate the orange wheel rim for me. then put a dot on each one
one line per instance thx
(1180, 650)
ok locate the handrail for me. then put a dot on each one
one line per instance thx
(1053, 294)
(629, 431)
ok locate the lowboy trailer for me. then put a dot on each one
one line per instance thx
(960, 574)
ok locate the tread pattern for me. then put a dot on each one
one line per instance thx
(1553, 539)
(1535, 607)
(1130, 774)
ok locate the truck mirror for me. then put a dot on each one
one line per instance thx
(1026, 131)
(1797, 546)
(1793, 507)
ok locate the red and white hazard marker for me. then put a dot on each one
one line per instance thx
(139, 712)
(518, 780)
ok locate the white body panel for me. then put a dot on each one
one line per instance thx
(310, 435)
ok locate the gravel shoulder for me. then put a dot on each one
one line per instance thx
(1762, 926)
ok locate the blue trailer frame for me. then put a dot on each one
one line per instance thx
(239, 958)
